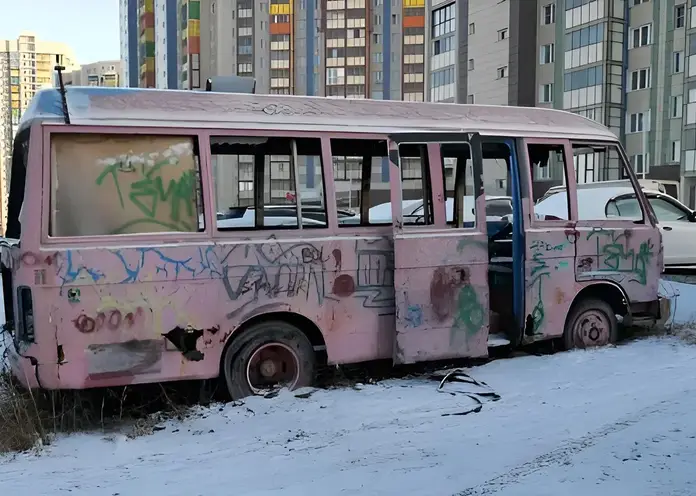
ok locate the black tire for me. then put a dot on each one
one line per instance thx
(239, 353)
(579, 330)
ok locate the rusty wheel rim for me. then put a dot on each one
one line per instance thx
(273, 366)
(592, 329)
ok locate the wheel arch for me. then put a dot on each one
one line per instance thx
(607, 291)
(282, 313)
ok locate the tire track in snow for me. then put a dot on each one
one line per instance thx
(563, 453)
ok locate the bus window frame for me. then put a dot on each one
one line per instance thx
(649, 217)
(160, 238)
(331, 213)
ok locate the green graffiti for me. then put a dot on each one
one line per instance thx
(148, 192)
(469, 314)
(540, 270)
(614, 255)
(468, 242)
(562, 265)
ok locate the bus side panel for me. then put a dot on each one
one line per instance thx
(134, 315)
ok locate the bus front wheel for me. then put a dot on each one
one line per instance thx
(591, 323)
(266, 357)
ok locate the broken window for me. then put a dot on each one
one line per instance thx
(124, 184)
(360, 180)
(257, 180)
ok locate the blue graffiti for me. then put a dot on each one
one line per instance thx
(414, 316)
(72, 272)
(165, 264)
(210, 262)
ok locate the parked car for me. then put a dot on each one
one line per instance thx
(497, 207)
(676, 221)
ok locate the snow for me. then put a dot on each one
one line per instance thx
(610, 421)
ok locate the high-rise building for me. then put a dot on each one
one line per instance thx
(626, 64)
(149, 42)
(26, 65)
(103, 73)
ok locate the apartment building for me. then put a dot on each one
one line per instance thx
(103, 73)
(149, 43)
(335, 48)
(26, 65)
(625, 63)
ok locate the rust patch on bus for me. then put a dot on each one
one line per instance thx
(443, 286)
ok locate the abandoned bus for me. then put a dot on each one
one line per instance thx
(165, 235)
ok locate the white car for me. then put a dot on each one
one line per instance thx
(497, 208)
(676, 221)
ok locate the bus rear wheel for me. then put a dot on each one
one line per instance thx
(266, 357)
(591, 323)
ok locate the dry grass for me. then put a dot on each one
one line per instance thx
(21, 421)
(31, 419)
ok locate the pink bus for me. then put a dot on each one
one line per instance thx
(165, 235)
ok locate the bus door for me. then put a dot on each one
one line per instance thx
(440, 247)
(549, 238)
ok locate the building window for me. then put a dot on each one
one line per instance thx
(546, 93)
(548, 14)
(502, 34)
(640, 79)
(502, 72)
(472, 28)
(639, 122)
(677, 106)
(583, 78)
(678, 62)
(443, 45)
(641, 36)
(638, 2)
(679, 16)
(639, 162)
(584, 37)
(676, 151)
(547, 54)
(443, 21)
(471, 64)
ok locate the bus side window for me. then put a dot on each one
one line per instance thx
(256, 180)
(595, 163)
(361, 182)
(124, 184)
(458, 178)
(416, 194)
(548, 168)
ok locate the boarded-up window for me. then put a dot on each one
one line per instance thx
(124, 184)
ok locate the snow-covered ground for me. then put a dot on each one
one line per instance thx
(612, 421)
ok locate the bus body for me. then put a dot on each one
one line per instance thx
(149, 239)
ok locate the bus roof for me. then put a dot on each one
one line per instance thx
(181, 108)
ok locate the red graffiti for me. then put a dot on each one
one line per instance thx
(337, 259)
(344, 285)
(112, 320)
(32, 259)
(443, 286)
(85, 324)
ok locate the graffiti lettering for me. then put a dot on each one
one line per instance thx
(147, 190)
(110, 320)
(414, 316)
(614, 254)
(539, 271)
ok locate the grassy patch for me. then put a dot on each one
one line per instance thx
(31, 419)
